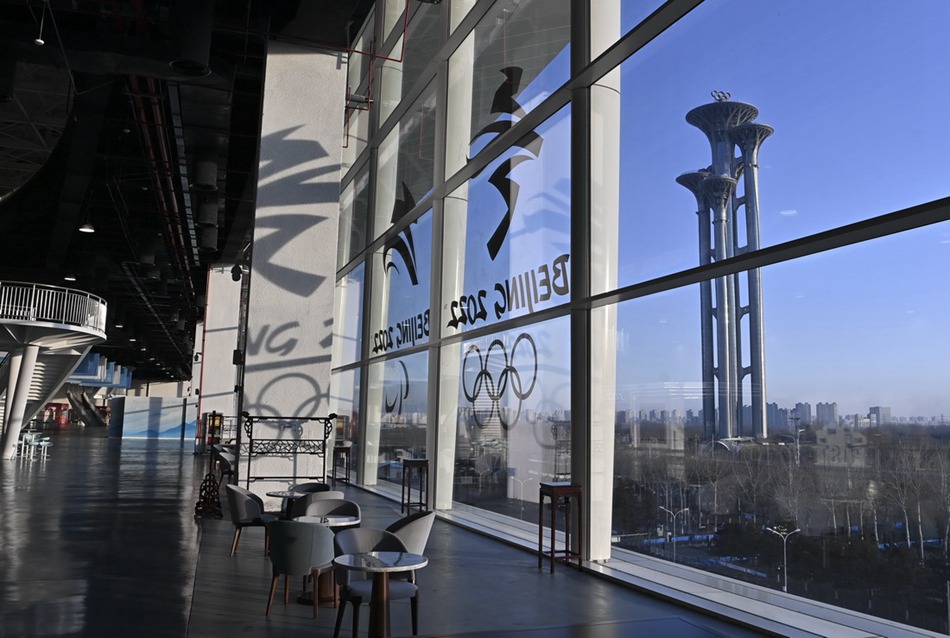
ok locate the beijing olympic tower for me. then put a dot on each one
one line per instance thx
(726, 220)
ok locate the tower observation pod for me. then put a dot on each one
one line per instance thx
(727, 201)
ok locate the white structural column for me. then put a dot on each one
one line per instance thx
(219, 340)
(605, 223)
(22, 363)
(454, 223)
(293, 264)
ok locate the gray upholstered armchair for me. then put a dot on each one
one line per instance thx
(247, 510)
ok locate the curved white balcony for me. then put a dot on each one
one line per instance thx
(52, 307)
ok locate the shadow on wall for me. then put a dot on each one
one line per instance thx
(300, 174)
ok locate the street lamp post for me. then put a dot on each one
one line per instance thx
(674, 515)
(784, 536)
(798, 445)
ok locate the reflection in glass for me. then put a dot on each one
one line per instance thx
(360, 58)
(354, 218)
(405, 164)
(348, 324)
(856, 452)
(344, 401)
(405, 64)
(393, 13)
(507, 233)
(355, 133)
(512, 424)
(396, 422)
(515, 57)
(400, 299)
(458, 9)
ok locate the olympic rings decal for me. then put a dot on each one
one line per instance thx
(497, 375)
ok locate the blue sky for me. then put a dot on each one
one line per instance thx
(857, 95)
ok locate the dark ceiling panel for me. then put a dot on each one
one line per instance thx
(100, 127)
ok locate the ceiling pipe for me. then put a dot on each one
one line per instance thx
(193, 24)
(159, 159)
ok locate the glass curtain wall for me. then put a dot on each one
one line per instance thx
(749, 376)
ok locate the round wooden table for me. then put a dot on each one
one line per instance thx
(381, 565)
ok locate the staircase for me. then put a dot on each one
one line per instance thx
(61, 325)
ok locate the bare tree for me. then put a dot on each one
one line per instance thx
(790, 487)
(903, 479)
(941, 464)
(713, 469)
(753, 478)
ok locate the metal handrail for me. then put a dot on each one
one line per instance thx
(39, 302)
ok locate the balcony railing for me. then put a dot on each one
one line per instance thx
(37, 302)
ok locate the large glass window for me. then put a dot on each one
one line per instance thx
(404, 65)
(400, 299)
(361, 57)
(355, 133)
(515, 57)
(848, 115)
(354, 218)
(510, 395)
(458, 9)
(345, 402)
(405, 164)
(507, 233)
(854, 455)
(348, 324)
(799, 406)
(396, 416)
(394, 13)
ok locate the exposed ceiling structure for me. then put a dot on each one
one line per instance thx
(141, 119)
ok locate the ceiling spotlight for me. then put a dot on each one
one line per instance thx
(87, 228)
(236, 272)
(69, 277)
(39, 39)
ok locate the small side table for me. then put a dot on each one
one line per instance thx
(341, 453)
(559, 491)
(422, 469)
(380, 565)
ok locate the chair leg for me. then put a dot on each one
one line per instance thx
(414, 610)
(286, 589)
(270, 599)
(237, 537)
(266, 541)
(339, 618)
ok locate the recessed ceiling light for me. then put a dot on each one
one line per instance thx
(69, 277)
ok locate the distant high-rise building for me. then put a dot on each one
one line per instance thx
(826, 413)
(729, 127)
(774, 418)
(802, 412)
(878, 415)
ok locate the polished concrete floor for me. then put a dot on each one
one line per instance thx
(100, 539)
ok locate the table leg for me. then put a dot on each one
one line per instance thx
(379, 606)
(540, 531)
(554, 503)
